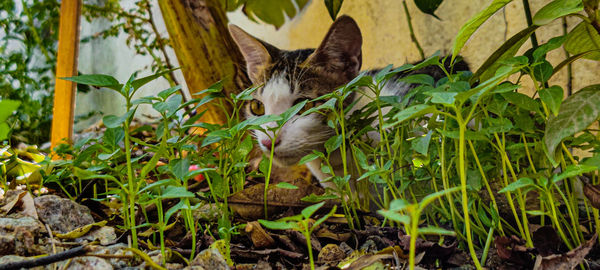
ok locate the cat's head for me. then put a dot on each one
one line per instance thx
(289, 77)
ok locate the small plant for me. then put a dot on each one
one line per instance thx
(302, 223)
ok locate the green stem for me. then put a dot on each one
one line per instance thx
(529, 18)
(463, 185)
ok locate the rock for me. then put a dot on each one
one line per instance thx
(20, 236)
(331, 253)
(105, 235)
(88, 262)
(210, 258)
(62, 215)
(116, 249)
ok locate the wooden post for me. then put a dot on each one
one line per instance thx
(66, 66)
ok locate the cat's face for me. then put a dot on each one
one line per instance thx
(286, 78)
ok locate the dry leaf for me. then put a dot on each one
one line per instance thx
(565, 261)
(259, 237)
(592, 192)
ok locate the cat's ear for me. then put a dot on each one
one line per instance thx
(256, 53)
(340, 51)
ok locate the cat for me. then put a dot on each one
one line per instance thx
(289, 77)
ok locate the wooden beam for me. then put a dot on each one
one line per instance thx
(66, 66)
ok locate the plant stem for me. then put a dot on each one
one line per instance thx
(529, 18)
(412, 32)
(131, 180)
(462, 165)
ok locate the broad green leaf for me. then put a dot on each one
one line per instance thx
(136, 84)
(521, 183)
(272, 11)
(164, 94)
(576, 113)
(555, 10)
(309, 211)
(291, 112)
(418, 79)
(552, 44)
(507, 50)
(180, 168)
(7, 107)
(99, 80)
(333, 143)
(522, 101)
(573, 170)
(446, 98)
(473, 24)
(584, 38)
(434, 59)
(308, 158)
(4, 130)
(421, 144)
(286, 185)
(173, 210)
(333, 7)
(176, 192)
(113, 121)
(552, 97)
(428, 6)
(106, 156)
(542, 71)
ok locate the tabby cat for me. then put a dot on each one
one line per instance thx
(289, 77)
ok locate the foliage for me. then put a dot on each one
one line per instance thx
(469, 151)
(28, 43)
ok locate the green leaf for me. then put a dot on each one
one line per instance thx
(576, 113)
(395, 216)
(312, 198)
(573, 170)
(521, 183)
(507, 50)
(113, 121)
(552, 44)
(136, 84)
(421, 144)
(333, 143)
(99, 80)
(555, 10)
(4, 130)
(446, 98)
(164, 94)
(333, 7)
(309, 211)
(172, 192)
(7, 108)
(496, 125)
(291, 112)
(272, 11)
(409, 113)
(522, 101)
(180, 168)
(308, 158)
(542, 71)
(552, 97)
(473, 24)
(434, 196)
(428, 6)
(279, 225)
(286, 185)
(435, 230)
(584, 38)
(418, 79)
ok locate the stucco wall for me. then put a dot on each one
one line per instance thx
(386, 38)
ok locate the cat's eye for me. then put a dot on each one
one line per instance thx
(257, 108)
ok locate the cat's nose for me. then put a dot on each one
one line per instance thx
(267, 143)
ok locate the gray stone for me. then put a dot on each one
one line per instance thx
(62, 215)
(210, 258)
